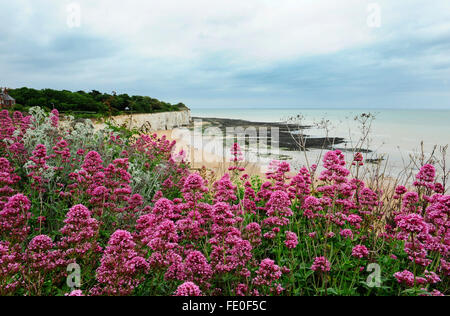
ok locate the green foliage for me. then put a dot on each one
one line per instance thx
(83, 104)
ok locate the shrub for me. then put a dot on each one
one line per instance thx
(138, 222)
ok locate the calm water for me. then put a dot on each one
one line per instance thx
(395, 133)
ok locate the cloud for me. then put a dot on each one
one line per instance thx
(261, 31)
(294, 52)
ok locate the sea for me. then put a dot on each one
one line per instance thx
(395, 134)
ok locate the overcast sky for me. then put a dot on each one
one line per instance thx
(322, 53)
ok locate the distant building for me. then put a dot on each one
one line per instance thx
(6, 101)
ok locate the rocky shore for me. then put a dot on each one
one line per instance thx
(289, 138)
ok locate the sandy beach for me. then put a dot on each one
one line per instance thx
(199, 158)
(207, 142)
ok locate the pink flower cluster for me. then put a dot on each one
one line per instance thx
(80, 232)
(10, 266)
(14, 217)
(39, 260)
(360, 252)
(291, 240)
(121, 267)
(237, 158)
(187, 236)
(188, 289)
(268, 275)
(321, 264)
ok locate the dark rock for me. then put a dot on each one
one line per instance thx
(288, 138)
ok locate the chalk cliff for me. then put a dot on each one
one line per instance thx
(155, 121)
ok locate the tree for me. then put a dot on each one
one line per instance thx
(94, 101)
